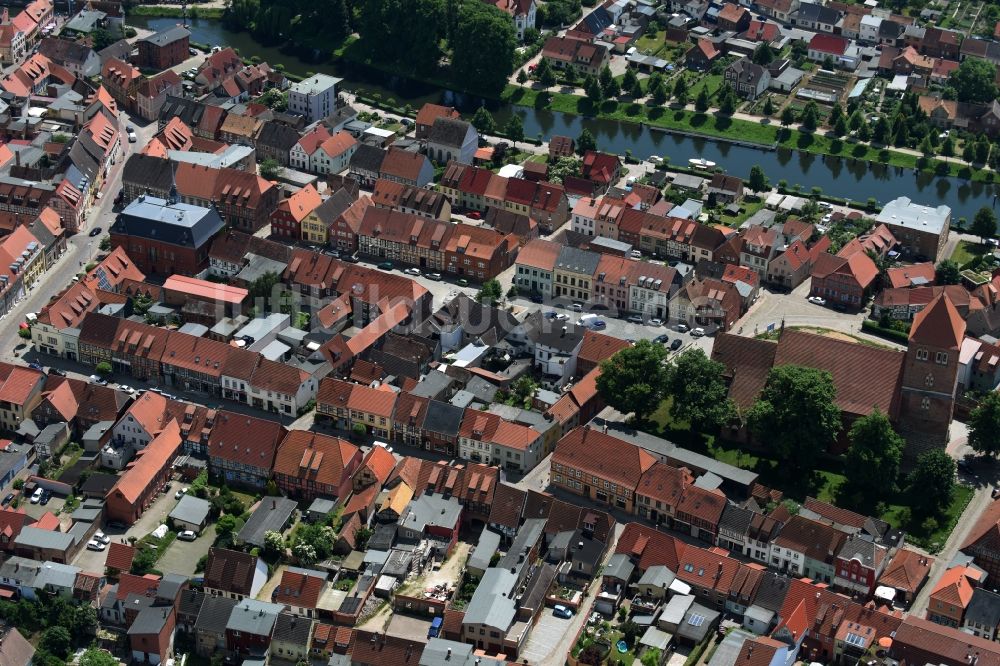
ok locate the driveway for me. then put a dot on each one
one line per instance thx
(182, 556)
(91, 561)
(545, 637)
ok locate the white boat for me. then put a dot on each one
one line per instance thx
(701, 163)
(655, 159)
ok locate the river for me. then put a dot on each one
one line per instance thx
(840, 177)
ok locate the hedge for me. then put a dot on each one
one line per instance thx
(873, 328)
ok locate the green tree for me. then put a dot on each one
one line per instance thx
(872, 462)
(609, 85)
(727, 100)
(768, 109)
(901, 135)
(483, 121)
(984, 425)
(490, 292)
(856, 120)
(881, 132)
(514, 129)
(787, 116)
(522, 78)
(651, 657)
(948, 147)
(947, 272)
(592, 88)
(974, 81)
(407, 33)
(270, 169)
(545, 74)
(658, 94)
(836, 111)
(969, 152)
(699, 392)
(103, 369)
(984, 224)
(629, 79)
(810, 117)
(763, 54)
(483, 47)
(636, 90)
(701, 102)
(274, 543)
(361, 537)
(865, 132)
(982, 149)
(795, 415)
(635, 378)
(226, 526)
(681, 90)
(840, 126)
(56, 641)
(932, 483)
(585, 141)
(758, 179)
(927, 148)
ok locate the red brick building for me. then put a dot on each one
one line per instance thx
(162, 50)
(137, 488)
(478, 253)
(310, 465)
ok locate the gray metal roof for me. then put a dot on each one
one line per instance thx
(177, 223)
(488, 544)
(577, 260)
(490, 604)
(322, 505)
(192, 510)
(271, 515)
(657, 576)
(431, 510)
(443, 418)
(254, 617)
(442, 652)
(56, 575)
(904, 213)
(168, 36)
(619, 566)
(34, 537)
(150, 620)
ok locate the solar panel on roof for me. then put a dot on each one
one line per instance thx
(855, 640)
(696, 620)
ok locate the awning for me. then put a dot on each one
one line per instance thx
(885, 592)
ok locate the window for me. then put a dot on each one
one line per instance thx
(921, 354)
(941, 358)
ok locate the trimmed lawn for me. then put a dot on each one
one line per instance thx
(966, 251)
(652, 42)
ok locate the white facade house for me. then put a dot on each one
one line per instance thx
(315, 97)
(868, 32)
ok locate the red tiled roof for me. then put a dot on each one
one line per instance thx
(938, 325)
(148, 463)
(119, 557)
(650, 547)
(315, 458)
(831, 44)
(954, 588)
(907, 571)
(298, 590)
(245, 440)
(601, 455)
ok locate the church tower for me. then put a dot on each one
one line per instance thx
(930, 377)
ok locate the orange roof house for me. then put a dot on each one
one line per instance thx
(309, 464)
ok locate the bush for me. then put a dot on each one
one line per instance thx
(869, 326)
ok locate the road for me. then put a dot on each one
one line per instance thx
(80, 248)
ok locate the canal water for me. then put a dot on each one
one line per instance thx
(840, 177)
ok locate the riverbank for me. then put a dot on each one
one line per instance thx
(763, 134)
(162, 11)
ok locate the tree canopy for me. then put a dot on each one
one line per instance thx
(758, 179)
(974, 81)
(795, 415)
(948, 272)
(932, 483)
(872, 462)
(984, 224)
(984, 425)
(483, 47)
(635, 379)
(699, 392)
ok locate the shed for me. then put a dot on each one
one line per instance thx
(320, 509)
(191, 513)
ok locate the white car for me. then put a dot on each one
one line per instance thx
(433, 276)
(655, 159)
(655, 322)
(681, 328)
(825, 204)
(131, 136)
(94, 544)
(827, 218)
(562, 316)
(180, 493)
(697, 332)
(412, 271)
(816, 300)
(102, 537)
(36, 497)
(187, 535)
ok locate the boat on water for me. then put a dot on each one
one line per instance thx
(701, 163)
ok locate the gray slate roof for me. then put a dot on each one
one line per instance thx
(178, 223)
(448, 132)
(214, 614)
(192, 510)
(150, 620)
(293, 629)
(254, 617)
(271, 515)
(490, 604)
(984, 609)
(168, 36)
(577, 260)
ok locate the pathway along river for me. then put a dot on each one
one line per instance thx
(838, 177)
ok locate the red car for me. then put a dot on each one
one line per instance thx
(475, 215)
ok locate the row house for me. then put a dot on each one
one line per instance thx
(542, 201)
(429, 424)
(535, 265)
(413, 200)
(489, 439)
(334, 154)
(288, 216)
(308, 465)
(242, 449)
(336, 221)
(245, 201)
(583, 452)
(404, 238)
(347, 405)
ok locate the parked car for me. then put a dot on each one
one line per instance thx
(57, 372)
(462, 282)
(635, 319)
(132, 138)
(697, 332)
(576, 307)
(46, 496)
(96, 231)
(537, 298)
(681, 328)
(8, 499)
(102, 537)
(475, 215)
(349, 258)
(816, 300)
(656, 321)
(433, 276)
(180, 493)
(824, 204)
(562, 611)
(385, 266)
(412, 271)
(93, 544)
(36, 496)
(676, 344)
(662, 339)
(187, 535)
(36, 366)
(97, 379)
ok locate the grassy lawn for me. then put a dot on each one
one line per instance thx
(710, 125)
(749, 208)
(651, 42)
(708, 81)
(541, 158)
(967, 251)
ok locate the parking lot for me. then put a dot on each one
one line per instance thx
(36, 511)
(182, 556)
(92, 561)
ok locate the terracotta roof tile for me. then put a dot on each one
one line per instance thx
(603, 456)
